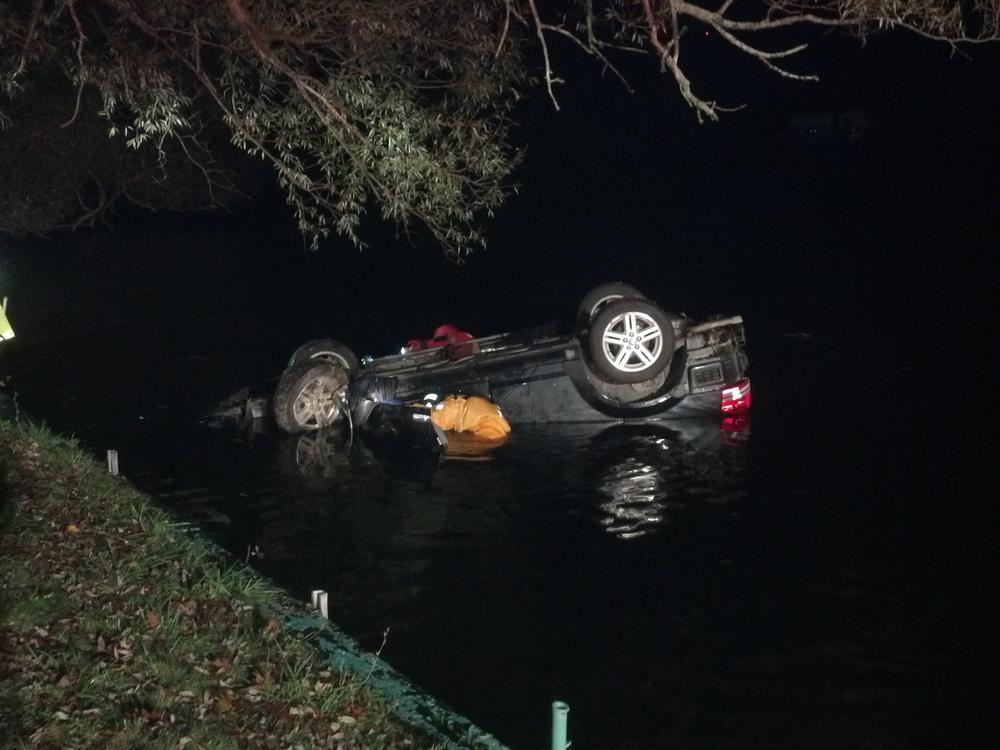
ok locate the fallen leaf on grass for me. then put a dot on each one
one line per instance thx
(262, 678)
(122, 650)
(152, 619)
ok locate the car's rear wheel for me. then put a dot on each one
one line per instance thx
(327, 350)
(600, 296)
(631, 341)
(310, 395)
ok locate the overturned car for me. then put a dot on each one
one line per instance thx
(626, 360)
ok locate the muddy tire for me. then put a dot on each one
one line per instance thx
(310, 395)
(600, 296)
(326, 350)
(631, 341)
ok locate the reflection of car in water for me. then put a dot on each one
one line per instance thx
(644, 473)
(626, 360)
(638, 474)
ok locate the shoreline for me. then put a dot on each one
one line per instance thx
(118, 626)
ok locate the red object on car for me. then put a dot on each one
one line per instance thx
(444, 335)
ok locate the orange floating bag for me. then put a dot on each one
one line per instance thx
(473, 414)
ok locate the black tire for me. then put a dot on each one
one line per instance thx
(600, 296)
(631, 341)
(310, 395)
(327, 350)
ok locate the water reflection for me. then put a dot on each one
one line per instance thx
(325, 501)
(647, 471)
(465, 447)
(634, 476)
(501, 544)
(314, 455)
(636, 505)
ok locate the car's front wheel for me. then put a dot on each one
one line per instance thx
(631, 341)
(310, 395)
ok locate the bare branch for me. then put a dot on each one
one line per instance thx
(29, 37)
(669, 59)
(764, 57)
(506, 28)
(595, 51)
(81, 38)
(549, 79)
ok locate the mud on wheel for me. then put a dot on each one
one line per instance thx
(327, 350)
(631, 341)
(310, 395)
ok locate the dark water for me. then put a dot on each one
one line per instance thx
(824, 584)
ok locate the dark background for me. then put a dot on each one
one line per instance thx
(893, 234)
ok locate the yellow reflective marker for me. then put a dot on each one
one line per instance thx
(6, 330)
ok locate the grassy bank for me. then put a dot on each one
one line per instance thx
(117, 630)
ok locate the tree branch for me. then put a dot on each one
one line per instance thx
(29, 36)
(80, 39)
(549, 79)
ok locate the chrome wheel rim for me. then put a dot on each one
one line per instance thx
(632, 341)
(318, 404)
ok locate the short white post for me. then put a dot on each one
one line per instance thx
(560, 711)
(321, 601)
(113, 463)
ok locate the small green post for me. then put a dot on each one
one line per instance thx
(559, 712)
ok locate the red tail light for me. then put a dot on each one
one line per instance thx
(736, 397)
